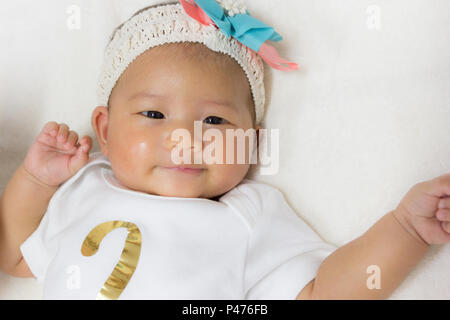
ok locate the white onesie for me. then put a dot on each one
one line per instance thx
(248, 245)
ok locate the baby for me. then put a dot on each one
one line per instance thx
(199, 230)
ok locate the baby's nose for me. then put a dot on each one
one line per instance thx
(187, 135)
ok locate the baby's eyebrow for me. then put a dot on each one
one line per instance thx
(145, 95)
(226, 104)
(219, 103)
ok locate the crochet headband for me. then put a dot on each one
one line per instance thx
(222, 25)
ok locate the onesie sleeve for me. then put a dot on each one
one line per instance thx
(283, 253)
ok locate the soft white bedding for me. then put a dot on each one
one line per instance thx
(364, 119)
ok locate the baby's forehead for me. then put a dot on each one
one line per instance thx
(160, 63)
(193, 51)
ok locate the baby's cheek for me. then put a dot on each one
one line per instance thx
(129, 161)
(139, 148)
(238, 150)
(132, 142)
(125, 148)
(139, 153)
(224, 177)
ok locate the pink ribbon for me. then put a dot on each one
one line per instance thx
(270, 55)
(193, 10)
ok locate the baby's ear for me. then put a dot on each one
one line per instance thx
(99, 123)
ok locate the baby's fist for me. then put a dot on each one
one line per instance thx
(56, 154)
(425, 210)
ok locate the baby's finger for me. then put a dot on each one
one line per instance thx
(86, 143)
(443, 214)
(50, 128)
(79, 159)
(62, 133)
(446, 226)
(48, 133)
(438, 187)
(71, 140)
(444, 203)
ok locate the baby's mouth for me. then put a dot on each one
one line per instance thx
(185, 169)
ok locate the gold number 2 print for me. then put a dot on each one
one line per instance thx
(124, 269)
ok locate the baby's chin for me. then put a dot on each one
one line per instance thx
(172, 183)
(178, 190)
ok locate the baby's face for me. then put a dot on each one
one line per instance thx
(161, 91)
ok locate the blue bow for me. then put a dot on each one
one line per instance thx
(246, 29)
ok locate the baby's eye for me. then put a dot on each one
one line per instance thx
(215, 120)
(153, 114)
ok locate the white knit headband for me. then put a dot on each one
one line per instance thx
(168, 24)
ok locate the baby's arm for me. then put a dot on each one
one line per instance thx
(22, 205)
(387, 246)
(53, 158)
(393, 246)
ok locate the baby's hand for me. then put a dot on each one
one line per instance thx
(56, 155)
(425, 210)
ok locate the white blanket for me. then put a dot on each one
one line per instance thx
(364, 119)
